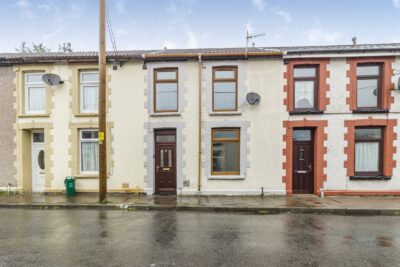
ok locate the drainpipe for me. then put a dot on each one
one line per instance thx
(200, 122)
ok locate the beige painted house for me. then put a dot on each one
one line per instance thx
(179, 121)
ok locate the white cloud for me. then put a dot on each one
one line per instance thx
(122, 31)
(120, 6)
(259, 4)
(249, 27)
(318, 35)
(192, 41)
(169, 45)
(283, 13)
(396, 3)
(23, 3)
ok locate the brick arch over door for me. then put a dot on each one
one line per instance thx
(320, 151)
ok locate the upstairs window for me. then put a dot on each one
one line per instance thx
(305, 88)
(166, 90)
(89, 87)
(225, 85)
(35, 94)
(225, 151)
(368, 151)
(89, 151)
(368, 86)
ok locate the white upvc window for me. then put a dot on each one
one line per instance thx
(89, 91)
(89, 151)
(35, 94)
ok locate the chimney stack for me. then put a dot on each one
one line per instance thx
(354, 40)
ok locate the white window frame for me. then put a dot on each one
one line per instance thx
(34, 85)
(90, 140)
(81, 85)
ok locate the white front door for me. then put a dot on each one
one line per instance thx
(38, 162)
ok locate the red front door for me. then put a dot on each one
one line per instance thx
(165, 162)
(303, 163)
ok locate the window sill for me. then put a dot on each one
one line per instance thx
(87, 115)
(165, 114)
(369, 178)
(225, 113)
(371, 111)
(226, 177)
(34, 115)
(306, 112)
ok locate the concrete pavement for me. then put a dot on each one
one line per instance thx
(267, 204)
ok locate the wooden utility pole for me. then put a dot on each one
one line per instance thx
(102, 104)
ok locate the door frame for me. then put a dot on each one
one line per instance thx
(313, 149)
(34, 176)
(164, 131)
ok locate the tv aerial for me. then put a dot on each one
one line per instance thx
(251, 36)
(52, 79)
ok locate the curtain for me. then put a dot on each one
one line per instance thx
(304, 94)
(36, 99)
(90, 156)
(90, 98)
(367, 157)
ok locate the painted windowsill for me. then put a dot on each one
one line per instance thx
(34, 115)
(86, 115)
(306, 112)
(225, 113)
(371, 111)
(165, 114)
(226, 177)
(369, 178)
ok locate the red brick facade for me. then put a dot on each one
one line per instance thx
(387, 84)
(389, 137)
(324, 74)
(319, 151)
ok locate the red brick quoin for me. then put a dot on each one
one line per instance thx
(387, 85)
(319, 151)
(324, 87)
(389, 137)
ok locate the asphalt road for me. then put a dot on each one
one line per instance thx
(126, 238)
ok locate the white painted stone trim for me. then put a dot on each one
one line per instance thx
(182, 89)
(149, 178)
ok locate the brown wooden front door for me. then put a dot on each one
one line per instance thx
(165, 162)
(303, 163)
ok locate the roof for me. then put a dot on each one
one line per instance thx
(388, 47)
(238, 52)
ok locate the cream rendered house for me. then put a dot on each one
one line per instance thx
(179, 122)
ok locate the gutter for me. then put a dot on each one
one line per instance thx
(205, 55)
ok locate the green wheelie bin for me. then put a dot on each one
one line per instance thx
(70, 185)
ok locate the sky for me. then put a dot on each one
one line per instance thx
(155, 24)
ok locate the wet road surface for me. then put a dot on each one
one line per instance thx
(165, 238)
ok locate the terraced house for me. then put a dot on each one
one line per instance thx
(179, 121)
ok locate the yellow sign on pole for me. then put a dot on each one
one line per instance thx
(101, 136)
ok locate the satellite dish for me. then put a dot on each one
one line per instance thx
(51, 79)
(253, 98)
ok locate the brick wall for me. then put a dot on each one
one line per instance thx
(7, 133)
